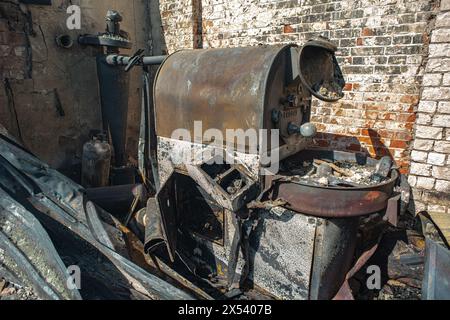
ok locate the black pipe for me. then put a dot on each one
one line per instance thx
(114, 85)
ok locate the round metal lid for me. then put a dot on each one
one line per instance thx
(319, 70)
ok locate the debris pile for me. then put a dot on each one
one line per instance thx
(235, 186)
(329, 90)
(10, 291)
(329, 173)
(400, 257)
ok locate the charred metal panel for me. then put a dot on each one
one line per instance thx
(282, 248)
(174, 154)
(229, 198)
(27, 252)
(334, 249)
(437, 272)
(281, 253)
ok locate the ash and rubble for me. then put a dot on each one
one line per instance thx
(324, 172)
(401, 257)
(12, 291)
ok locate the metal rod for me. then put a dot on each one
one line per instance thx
(118, 60)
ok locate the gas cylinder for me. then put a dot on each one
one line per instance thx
(96, 162)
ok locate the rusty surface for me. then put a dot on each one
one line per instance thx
(332, 202)
(318, 65)
(224, 88)
(345, 292)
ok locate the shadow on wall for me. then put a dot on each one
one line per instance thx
(376, 148)
(155, 30)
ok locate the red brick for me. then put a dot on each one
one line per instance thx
(372, 115)
(348, 87)
(407, 117)
(288, 29)
(366, 32)
(399, 144)
(407, 136)
(387, 116)
(387, 134)
(412, 99)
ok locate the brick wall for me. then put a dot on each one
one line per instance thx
(382, 44)
(430, 157)
(178, 23)
(383, 50)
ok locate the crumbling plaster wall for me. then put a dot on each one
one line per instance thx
(49, 95)
(383, 50)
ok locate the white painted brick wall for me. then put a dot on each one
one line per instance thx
(433, 123)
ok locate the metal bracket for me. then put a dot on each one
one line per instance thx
(392, 210)
(135, 59)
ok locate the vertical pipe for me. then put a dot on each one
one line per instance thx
(197, 24)
(114, 87)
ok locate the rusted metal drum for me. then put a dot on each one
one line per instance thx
(334, 202)
(229, 88)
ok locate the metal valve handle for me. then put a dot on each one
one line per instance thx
(135, 59)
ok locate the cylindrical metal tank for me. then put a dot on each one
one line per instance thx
(96, 163)
(229, 88)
